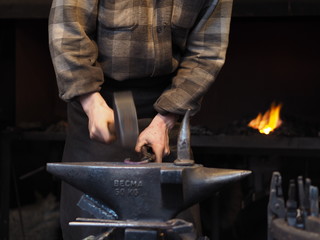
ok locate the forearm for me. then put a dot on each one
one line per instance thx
(91, 101)
(167, 121)
(201, 63)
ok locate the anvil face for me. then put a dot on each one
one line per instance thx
(146, 191)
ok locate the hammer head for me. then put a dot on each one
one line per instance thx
(125, 117)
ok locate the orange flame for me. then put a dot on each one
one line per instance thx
(269, 121)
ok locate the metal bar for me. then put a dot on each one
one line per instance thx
(307, 195)
(171, 224)
(292, 204)
(314, 201)
(119, 223)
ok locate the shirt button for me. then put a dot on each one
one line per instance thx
(159, 29)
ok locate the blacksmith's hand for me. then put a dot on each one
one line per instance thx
(101, 117)
(156, 135)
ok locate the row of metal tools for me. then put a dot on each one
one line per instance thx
(297, 218)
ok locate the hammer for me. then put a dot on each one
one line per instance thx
(126, 126)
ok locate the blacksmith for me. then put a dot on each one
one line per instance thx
(167, 52)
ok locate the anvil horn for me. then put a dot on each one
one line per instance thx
(199, 183)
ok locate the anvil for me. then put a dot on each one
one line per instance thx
(147, 191)
(146, 195)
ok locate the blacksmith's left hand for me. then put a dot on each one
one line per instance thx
(156, 135)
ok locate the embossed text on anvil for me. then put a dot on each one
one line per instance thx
(127, 183)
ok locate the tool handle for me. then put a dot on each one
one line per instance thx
(112, 130)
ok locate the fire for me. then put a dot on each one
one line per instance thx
(269, 121)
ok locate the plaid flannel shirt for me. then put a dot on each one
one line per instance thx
(128, 39)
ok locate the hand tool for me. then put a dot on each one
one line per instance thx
(292, 221)
(127, 128)
(292, 204)
(125, 119)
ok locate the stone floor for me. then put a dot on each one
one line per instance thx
(39, 220)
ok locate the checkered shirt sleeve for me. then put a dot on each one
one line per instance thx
(72, 30)
(203, 58)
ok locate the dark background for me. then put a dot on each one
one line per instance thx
(273, 55)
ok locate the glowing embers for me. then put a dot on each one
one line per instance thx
(268, 121)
